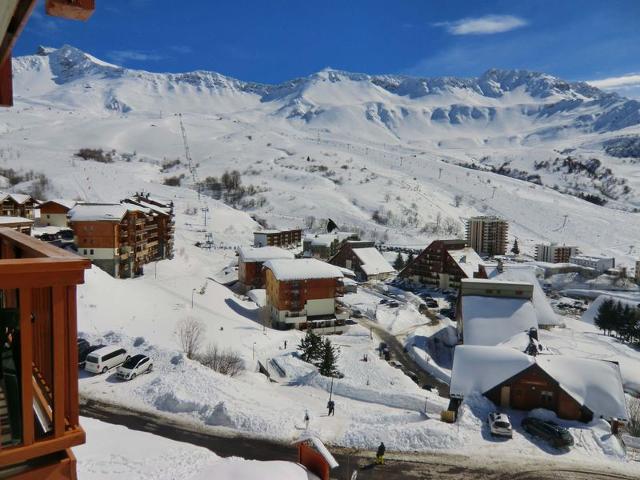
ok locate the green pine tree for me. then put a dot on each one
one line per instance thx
(604, 319)
(398, 263)
(409, 259)
(515, 249)
(310, 347)
(327, 366)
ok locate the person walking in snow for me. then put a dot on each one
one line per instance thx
(331, 406)
(380, 454)
(285, 344)
(306, 419)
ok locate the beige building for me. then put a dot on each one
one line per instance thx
(555, 253)
(487, 235)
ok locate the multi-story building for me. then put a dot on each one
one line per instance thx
(487, 235)
(325, 245)
(555, 253)
(301, 294)
(364, 259)
(277, 238)
(443, 264)
(161, 215)
(54, 213)
(17, 205)
(598, 263)
(39, 409)
(251, 260)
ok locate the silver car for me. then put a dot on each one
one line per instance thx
(500, 425)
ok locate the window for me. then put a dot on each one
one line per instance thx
(91, 251)
(85, 251)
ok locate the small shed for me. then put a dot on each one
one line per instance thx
(314, 456)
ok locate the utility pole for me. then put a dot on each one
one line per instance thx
(494, 192)
(205, 210)
(331, 389)
(440, 174)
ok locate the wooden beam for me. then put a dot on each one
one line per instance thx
(26, 360)
(6, 83)
(13, 455)
(71, 9)
(41, 280)
(72, 322)
(58, 299)
(16, 24)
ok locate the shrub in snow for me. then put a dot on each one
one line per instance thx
(226, 362)
(95, 154)
(190, 333)
(138, 341)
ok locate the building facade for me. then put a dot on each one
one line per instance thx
(364, 259)
(555, 253)
(160, 224)
(39, 420)
(251, 261)
(301, 294)
(54, 213)
(325, 245)
(599, 264)
(487, 235)
(277, 238)
(17, 205)
(444, 263)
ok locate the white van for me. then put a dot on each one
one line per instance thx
(105, 358)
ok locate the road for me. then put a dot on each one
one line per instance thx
(439, 466)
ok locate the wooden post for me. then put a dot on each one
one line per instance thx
(58, 299)
(74, 408)
(26, 360)
(6, 83)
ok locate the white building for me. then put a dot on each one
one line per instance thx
(553, 253)
(599, 264)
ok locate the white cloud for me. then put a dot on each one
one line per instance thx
(485, 25)
(626, 85)
(122, 56)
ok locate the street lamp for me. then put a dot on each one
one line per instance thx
(253, 350)
(192, 294)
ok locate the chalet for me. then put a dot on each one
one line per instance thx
(364, 259)
(17, 205)
(573, 388)
(325, 245)
(113, 237)
(39, 423)
(19, 224)
(250, 261)
(277, 238)
(490, 312)
(53, 213)
(443, 264)
(301, 294)
(160, 223)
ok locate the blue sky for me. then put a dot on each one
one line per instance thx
(275, 40)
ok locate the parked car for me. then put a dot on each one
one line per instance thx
(355, 313)
(432, 303)
(83, 344)
(499, 425)
(395, 364)
(394, 304)
(411, 375)
(134, 366)
(83, 354)
(383, 301)
(550, 431)
(105, 358)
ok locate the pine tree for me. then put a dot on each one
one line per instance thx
(409, 259)
(398, 263)
(327, 366)
(604, 319)
(515, 249)
(311, 347)
(617, 318)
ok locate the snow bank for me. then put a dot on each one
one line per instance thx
(592, 312)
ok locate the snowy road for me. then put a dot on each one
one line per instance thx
(399, 466)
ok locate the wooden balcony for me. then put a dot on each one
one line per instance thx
(39, 357)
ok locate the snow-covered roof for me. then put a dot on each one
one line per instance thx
(302, 269)
(262, 254)
(477, 369)
(320, 240)
(266, 231)
(590, 258)
(19, 198)
(319, 446)
(373, 263)
(597, 384)
(467, 259)
(346, 272)
(150, 206)
(69, 204)
(108, 212)
(259, 296)
(11, 220)
(526, 273)
(492, 320)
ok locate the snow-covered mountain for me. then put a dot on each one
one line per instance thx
(424, 153)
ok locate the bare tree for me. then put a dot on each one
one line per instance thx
(190, 332)
(457, 200)
(226, 362)
(634, 417)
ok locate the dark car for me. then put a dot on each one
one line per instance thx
(394, 304)
(82, 344)
(355, 313)
(383, 346)
(549, 431)
(432, 303)
(83, 354)
(383, 301)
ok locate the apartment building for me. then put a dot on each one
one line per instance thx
(487, 235)
(553, 253)
(596, 262)
(277, 238)
(17, 205)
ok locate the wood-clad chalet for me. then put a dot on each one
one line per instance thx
(251, 260)
(161, 215)
(14, 15)
(18, 205)
(54, 213)
(325, 245)
(573, 388)
(39, 423)
(364, 259)
(301, 293)
(277, 238)
(113, 237)
(443, 264)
